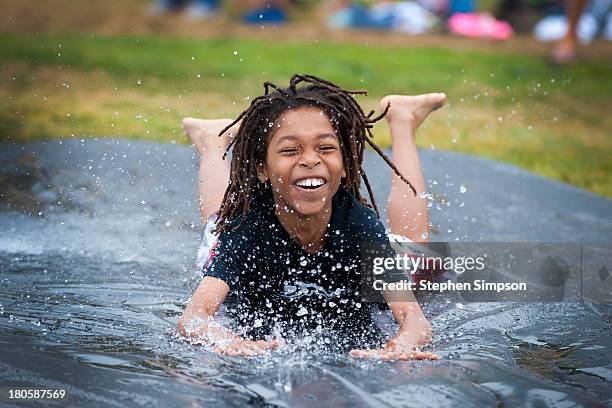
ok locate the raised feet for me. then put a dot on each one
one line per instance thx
(204, 133)
(411, 111)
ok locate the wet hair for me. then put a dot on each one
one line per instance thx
(249, 145)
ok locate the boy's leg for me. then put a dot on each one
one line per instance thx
(564, 52)
(407, 213)
(213, 175)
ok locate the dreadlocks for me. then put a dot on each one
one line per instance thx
(351, 124)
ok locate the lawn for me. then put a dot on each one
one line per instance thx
(517, 109)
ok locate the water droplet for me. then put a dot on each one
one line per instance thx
(303, 311)
(462, 189)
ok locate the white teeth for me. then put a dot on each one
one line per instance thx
(311, 182)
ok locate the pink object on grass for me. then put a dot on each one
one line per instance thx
(479, 25)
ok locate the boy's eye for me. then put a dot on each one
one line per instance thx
(289, 150)
(327, 147)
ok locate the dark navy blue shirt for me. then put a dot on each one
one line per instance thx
(274, 282)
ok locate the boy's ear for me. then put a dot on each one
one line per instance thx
(343, 172)
(262, 172)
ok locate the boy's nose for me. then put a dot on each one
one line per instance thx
(310, 160)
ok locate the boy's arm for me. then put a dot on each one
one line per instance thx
(198, 322)
(196, 319)
(414, 332)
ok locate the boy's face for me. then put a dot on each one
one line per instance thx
(304, 161)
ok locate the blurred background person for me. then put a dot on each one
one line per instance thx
(192, 8)
(251, 11)
(264, 11)
(564, 51)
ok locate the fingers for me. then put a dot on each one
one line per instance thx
(246, 348)
(238, 351)
(387, 355)
(418, 355)
(267, 345)
(252, 348)
(364, 353)
(375, 354)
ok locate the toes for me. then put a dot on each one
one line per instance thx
(443, 98)
(384, 102)
(438, 100)
(185, 122)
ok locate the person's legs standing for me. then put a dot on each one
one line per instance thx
(564, 51)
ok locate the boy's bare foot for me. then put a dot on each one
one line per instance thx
(204, 133)
(564, 52)
(411, 110)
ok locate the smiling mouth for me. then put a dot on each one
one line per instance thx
(311, 183)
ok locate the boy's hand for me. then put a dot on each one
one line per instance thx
(385, 355)
(395, 349)
(237, 346)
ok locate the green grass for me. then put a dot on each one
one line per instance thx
(517, 109)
